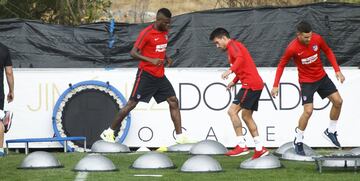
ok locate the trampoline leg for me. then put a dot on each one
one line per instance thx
(85, 145)
(65, 146)
(355, 166)
(7, 148)
(26, 148)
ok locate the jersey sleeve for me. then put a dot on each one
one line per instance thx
(8, 61)
(284, 60)
(329, 54)
(141, 40)
(236, 53)
(235, 80)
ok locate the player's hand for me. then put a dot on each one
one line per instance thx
(226, 74)
(10, 97)
(169, 61)
(157, 61)
(274, 91)
(340, 77)
(230, 85)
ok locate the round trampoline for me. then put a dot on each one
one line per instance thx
(86, 109)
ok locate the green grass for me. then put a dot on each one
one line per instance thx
(291, 170)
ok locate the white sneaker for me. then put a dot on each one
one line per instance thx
(108, 135)
(183, 139)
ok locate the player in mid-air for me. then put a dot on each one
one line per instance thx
(305, 51)
(150, 49)
(248, 96)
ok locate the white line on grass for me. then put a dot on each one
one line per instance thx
(143, 175)
(81, 176)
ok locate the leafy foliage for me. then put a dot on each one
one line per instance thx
(67, 12)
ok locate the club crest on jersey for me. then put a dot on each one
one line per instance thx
(315, 47)
(304, 98)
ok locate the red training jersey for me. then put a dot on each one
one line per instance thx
(152, 43)
(243, 66)
(307, 59)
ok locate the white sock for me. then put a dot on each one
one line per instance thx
(258, 144)
(299, 135)
(177, 136)
(242, 141)
(2, 150)
(332, 126)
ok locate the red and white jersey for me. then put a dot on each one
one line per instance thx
(307, 59)
(152, 43)
(243, 66)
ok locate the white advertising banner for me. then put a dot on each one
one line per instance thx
(203, 100)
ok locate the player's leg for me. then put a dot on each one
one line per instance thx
(130, 105)
(175, 113)
(166, 92)
(2, 130)
(300, 129)
(307, 94)
(2, 127)
(336, 101)
(240, 148)
(109, 134)
(247, 113)
(233, 113)
(328, 89)
(250, 103)
(142, 91)
(305, 116)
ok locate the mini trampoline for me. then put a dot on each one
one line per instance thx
(86, 109)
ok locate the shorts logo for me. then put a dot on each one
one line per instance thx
(138, 96)
(315, 48)
(304, 98)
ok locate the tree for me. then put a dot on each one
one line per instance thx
(67, 12)
(255, 3)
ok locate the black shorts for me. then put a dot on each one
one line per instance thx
(248, 99)
(147, 86)
(324, 87)
(2, 101)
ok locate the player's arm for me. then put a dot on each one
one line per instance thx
(232, 83)
(332, 59)
(10, 81)
(168, 60)
(140, 42)
(284, 60)
(135, 53)
(237, 63)
(232, 69)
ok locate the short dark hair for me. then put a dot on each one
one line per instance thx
(304, 27)
(164, 11)
(218, 33)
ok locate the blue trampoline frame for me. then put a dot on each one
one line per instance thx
(85, 83)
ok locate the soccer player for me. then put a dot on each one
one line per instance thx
(248, 96)
(305, 51)
(5, 116)
(150, 49)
